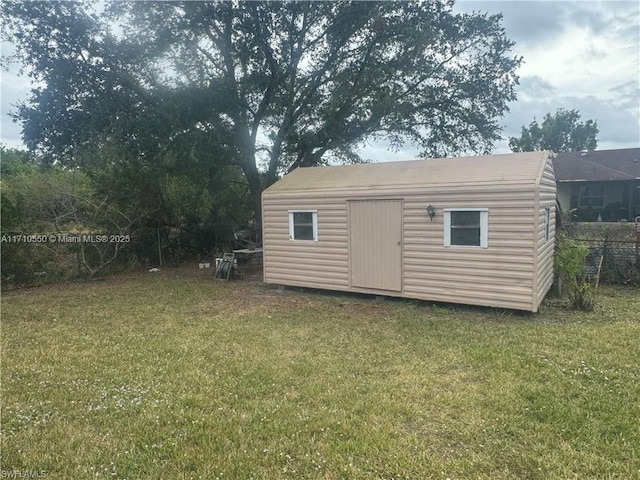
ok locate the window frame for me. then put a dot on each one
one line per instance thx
(484, 227)
(547, 224)
(314, 226)
(587, 195)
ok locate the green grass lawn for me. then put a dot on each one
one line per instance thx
(174, 375)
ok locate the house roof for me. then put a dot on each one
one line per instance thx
(601, 165)
(481, 170)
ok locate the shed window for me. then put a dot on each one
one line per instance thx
(303, 225)
(547, 223)
(466, 227)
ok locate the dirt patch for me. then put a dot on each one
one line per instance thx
(251, 272)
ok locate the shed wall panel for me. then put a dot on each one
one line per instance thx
(545, 247)
(317, 264)
(499, 274)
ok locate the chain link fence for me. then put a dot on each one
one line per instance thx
(617, 244)
(39, 258)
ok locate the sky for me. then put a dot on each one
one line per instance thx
(582, 55)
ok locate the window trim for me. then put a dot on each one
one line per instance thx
(314, 223)
(547, 224)
(586, 198)
(484, 227)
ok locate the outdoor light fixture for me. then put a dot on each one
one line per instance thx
(431, 211)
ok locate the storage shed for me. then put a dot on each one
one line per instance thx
(471, 230)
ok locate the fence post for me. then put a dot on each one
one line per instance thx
(159, 248)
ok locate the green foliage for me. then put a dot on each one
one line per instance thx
(44, 206)
(14, 161)
(276, 84)
(114, 192)
(32, 195)
(561, 132)
(569, 262)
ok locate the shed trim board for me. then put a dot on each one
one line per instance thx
(314, 224)
(514, 270)
(484, 226)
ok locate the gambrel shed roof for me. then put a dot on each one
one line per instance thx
(512, 168)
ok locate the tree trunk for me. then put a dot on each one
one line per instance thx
(255, 188)
(250, 170)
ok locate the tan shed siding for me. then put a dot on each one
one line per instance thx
(499, 275)
(547, 198)
(319, 264)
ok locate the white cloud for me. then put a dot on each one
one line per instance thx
(618, 127)
(577, 55)
(581, 63)
(534, 87)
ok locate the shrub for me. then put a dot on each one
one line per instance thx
(569, 263)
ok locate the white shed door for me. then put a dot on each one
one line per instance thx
(375, 244)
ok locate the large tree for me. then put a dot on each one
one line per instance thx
(561, 132)
(266, 86)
